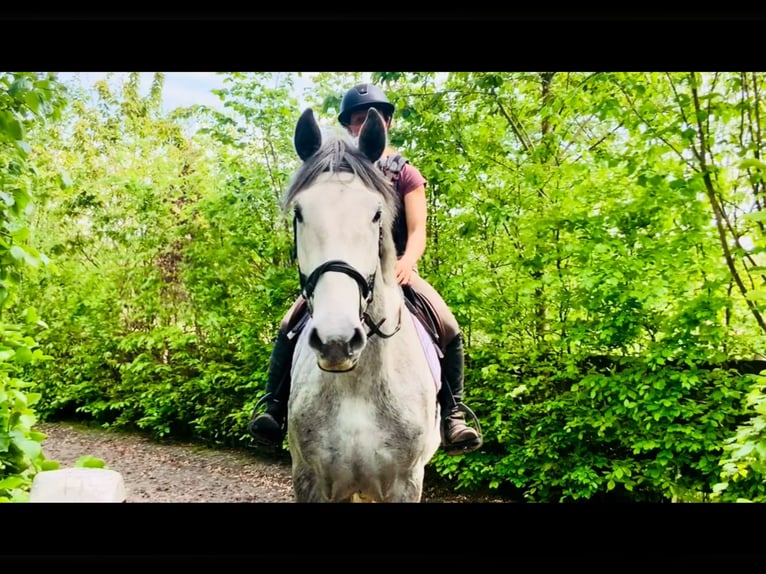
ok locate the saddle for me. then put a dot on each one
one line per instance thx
(424, 312)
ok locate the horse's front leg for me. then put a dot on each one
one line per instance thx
(306, 485)
(407, 488)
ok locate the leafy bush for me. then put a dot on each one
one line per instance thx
(743, 474)
(639, 431)
(21, 455)
(26, 100)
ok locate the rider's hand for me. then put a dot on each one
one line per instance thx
(404, 270)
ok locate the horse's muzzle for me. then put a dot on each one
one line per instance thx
(337, 355)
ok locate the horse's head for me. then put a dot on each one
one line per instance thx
(343, 209)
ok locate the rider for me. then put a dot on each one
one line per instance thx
(269, 427)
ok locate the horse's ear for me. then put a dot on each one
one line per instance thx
(372, 135)
(308, 136)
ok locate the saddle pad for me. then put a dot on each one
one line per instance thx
(432, 352)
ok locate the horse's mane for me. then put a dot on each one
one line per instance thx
(339, 154)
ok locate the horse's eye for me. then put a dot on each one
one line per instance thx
(377, 217)
(298, 214)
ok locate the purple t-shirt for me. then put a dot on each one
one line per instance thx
(409, 178)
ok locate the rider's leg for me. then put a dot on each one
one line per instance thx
(457, 436)
(269, 427)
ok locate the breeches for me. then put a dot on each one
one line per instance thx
(449, 323)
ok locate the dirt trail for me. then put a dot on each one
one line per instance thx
(171, 471)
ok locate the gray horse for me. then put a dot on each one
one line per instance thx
(363, 419)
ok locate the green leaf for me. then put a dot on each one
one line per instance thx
(21, 199)
(23, 355)
(718, 487)
(37, 435)
(30, 316)
(10, 125)
(23, 146)
(19, 253)
(49, 465)
(743, 450)
(20, 85)
(31, 448)
(748, 163)
(688, 133)
(32, 99)
(89, 461)
(13, 481)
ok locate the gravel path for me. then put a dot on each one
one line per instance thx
(172, 471)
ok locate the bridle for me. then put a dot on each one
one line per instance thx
(365, 284)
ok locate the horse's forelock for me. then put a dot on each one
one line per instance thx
(338, 154)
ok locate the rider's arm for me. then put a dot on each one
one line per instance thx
(416, 209)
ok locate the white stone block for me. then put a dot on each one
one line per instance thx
(78, 485)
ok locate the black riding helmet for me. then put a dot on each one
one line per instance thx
(362, 97)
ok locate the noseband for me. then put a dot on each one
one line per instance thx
(308, 284)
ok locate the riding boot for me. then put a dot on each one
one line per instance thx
(269, 427)
(457, 436)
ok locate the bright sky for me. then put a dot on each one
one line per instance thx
(180, 88)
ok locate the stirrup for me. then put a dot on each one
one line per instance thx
(466, 446)
(271, 438)
(259, 402)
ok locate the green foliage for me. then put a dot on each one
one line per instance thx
(743, 468)
(627, 430)
(89, 461)
(598, 245)
(26, 99)
(168, 276)
(599, 237)
(21, 455)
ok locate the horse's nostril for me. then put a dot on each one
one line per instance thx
(357, 341)
(338, 347)
(314, 341)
